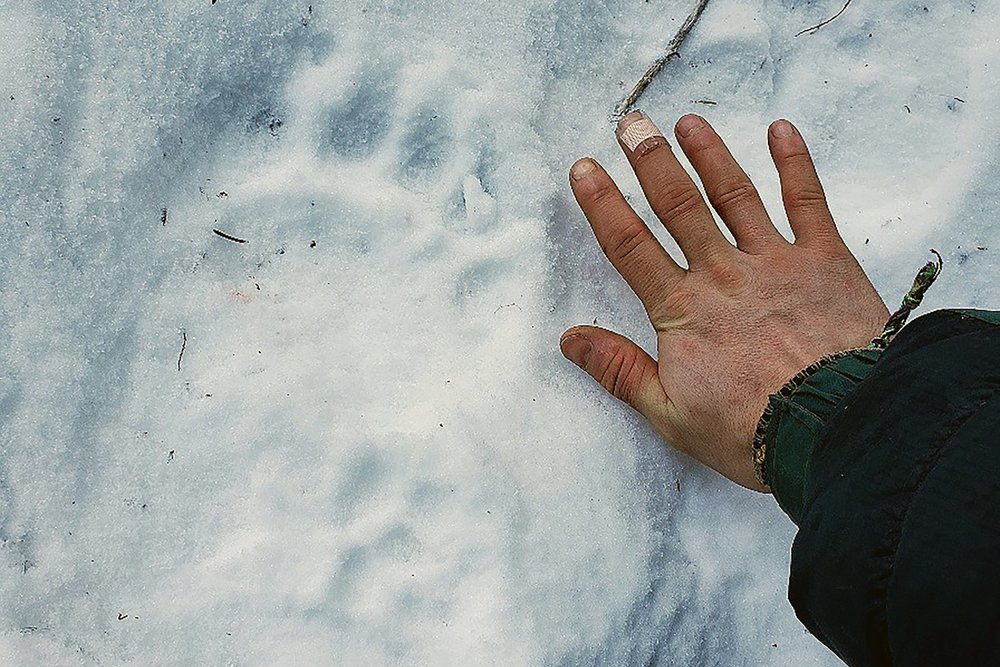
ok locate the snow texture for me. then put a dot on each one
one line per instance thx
(371, 451)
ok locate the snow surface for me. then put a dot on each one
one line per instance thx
(371, 451)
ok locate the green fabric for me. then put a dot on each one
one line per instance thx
(894, 562)
(991, 316)
(798, 420)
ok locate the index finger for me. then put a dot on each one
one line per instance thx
(622, 234)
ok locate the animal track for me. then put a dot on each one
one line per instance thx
(400, 544)
(477, 278)
(357, 127)
(425, 146)
(360, 485)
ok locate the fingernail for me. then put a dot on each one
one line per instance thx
(689, 124)
(783, 128)
(581, 168)
(577, 349)
(639, 134)
(628, 119)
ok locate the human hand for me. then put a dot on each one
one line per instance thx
(740, 321)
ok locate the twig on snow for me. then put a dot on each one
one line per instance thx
(229, 237)
(823, 23)
(184, 344)
(673, 51)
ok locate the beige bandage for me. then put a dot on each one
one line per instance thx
(638, 131)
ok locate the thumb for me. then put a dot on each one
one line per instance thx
(619, 365)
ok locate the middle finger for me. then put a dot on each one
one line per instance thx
(671, 193)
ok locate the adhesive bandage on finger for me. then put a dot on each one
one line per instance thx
(634, 132)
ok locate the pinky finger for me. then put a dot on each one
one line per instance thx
(805, 202)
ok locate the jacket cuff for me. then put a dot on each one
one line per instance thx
(796, 417)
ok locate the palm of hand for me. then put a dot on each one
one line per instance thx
(739, 321)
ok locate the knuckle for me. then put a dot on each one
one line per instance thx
(676, 202)
(703, 145)
(602, 193)
(625, 242)
(730, 277)
(622, 375)
(796, 155)
(733, 193)
(806, 197)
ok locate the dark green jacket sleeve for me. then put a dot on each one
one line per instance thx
(890, 466)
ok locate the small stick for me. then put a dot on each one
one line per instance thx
(829, 20)
(184, 344)
(229, 237)
(673, 51)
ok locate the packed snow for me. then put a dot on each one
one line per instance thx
(348, 436)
